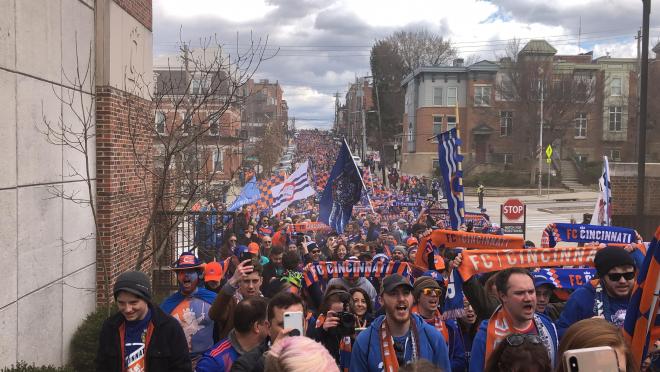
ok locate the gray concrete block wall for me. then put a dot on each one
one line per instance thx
(48, 256)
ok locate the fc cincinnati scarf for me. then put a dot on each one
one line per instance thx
(500, 326)
(583, 233)
(483, 261)
(566, 278)
(462, 239)
(315, 271)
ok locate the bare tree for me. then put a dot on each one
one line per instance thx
(420, 47)
(194, 107)
(523, 80)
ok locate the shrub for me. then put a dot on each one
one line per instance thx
(24, 367)
(85, 341)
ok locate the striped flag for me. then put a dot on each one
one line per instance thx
(295, 187)
(450, 158)
(641, 327)
(603, 212)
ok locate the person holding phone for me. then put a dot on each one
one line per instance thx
(245, 283)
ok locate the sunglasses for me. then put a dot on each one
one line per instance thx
(518, 339)
(615, 277)
(430, 291)
(315, 251)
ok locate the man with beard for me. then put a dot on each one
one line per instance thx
(427, 293)
(398, 337)
(245, 283)
(606, 297)
(190, 305)
(516, 315)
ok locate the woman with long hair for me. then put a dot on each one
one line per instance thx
(362, 308)
(595, 332)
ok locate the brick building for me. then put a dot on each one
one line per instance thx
(352, 115)
(55, 266)
(199, 104)
(589, 110)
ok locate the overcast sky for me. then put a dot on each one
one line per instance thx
(324, 44)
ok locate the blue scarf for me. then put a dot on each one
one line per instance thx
(583, 233)
(453, 304)
(566, 278)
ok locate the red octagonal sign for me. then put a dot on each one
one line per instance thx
(513, 209)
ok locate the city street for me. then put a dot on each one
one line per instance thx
(540, 210)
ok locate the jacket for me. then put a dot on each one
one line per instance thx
(366, 353)
(478, 353)
(167, 348)
(581, 306)
(222, 311)
(252, 361)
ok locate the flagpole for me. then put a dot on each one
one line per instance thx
(460, 163)
(359, 175)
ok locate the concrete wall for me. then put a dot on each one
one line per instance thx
(48, 246)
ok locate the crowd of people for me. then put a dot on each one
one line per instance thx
(252, 301)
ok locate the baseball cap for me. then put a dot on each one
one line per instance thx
(253, 248)
(395, 280)
(134, 282)
(540, 280)
(412, 241)
(187, 260)
(212, 271)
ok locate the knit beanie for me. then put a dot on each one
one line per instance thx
(134, 282)
(424, 282)
(402, 249)
(610, 257)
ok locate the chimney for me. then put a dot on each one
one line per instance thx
(458, 62)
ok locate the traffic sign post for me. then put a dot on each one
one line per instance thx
(511, 214)
(548, 151)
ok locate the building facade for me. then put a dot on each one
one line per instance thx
(73, 64)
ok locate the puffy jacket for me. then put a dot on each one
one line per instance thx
(167, 349)
(478, 354)
(366, 353)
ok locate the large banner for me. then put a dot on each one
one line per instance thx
(462, 239)
(315, 271)
(441, 215)
(449, 158)
(583, 233)
(483, 261)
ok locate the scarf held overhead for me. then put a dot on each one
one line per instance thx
(316, 271)
(583, 233)
(483, 261)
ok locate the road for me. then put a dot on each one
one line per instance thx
(541, 211)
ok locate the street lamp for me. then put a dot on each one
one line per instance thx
(541, 133)
(380, 130)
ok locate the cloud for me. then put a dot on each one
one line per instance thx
(322, 45)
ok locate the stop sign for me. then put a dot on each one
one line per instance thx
(513, 209)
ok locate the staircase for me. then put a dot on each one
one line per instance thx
(569, 177)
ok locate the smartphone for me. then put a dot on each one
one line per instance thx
(294, 320)
(593, 359)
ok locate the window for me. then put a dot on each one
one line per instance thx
(214, 128)
(482, 95)
(507, 158)
(451, 122)
(506, 123)
(218, 160)
(615, 87)
(410, 132)
(581, 158)
(160, 122)
(437, 124)
(437, 96)
(200, 85)
(435, 163)
(615, 119)
(581, 125)
(615, 155)
(452, 95)
(186, 121)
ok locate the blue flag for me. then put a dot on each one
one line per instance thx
(250, 194)
(450, 159)
(342, 192)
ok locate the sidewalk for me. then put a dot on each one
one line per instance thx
(563, 197)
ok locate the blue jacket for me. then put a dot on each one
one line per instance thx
(366, 354)
(219, 358)
(456, 347)
(581, 306)
(478, 353)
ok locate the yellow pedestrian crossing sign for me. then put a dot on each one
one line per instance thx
(548, 151)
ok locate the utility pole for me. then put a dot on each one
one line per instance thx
(364, 121)
(641, 135)
(541, 136)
